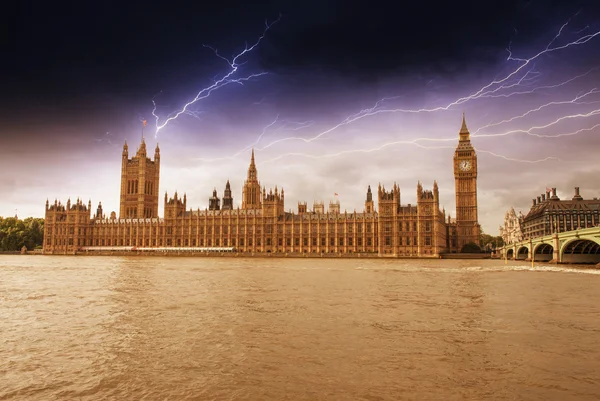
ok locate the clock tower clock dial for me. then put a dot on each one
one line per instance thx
(465, 165)
(465, 179)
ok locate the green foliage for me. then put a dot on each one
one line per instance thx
(487, 241)
(14, 233)
(470, 247)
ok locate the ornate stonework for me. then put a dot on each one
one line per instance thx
(139, 183)
(261, 224)
(465, 178)
(511, 231)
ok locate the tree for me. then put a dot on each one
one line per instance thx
(487, 241)
(16, 233)
(470, 247)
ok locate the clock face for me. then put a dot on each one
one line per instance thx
(465, 165)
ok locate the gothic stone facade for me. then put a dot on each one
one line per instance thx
(261, 224)
(511, 232)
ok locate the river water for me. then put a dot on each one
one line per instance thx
(154, 328)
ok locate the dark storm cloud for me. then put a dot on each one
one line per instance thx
(367, 41)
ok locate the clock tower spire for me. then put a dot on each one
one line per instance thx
(465, 179)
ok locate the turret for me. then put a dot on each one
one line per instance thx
(214, 201)
(142, 149)
(334, 207)
(227, 198)
(369, 205)
(175, 207)
(273, 203)
(318, 207)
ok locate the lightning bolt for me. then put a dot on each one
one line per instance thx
(416, 141)
(104, 138)
(413, 142)
(524, 74)
(575, 100)
(195, 114)
(488, 90)
(285, 125)
(227, 79)
(539, 127)
(538, 88)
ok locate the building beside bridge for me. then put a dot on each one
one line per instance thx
(561, 231)
(385, 227)
(549, 214)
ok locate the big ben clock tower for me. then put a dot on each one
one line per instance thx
(465, 179)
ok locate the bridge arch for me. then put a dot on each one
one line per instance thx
(522, 253)
(580, 250)
(543, 252)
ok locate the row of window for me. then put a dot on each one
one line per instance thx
(402, 241)
(269, 229)
(407, 241)
(558, 223)
(209, 242)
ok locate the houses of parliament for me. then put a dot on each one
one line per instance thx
(261, 225)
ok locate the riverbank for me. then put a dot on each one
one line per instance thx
(278, 255)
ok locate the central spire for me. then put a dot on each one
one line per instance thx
(251, 197)
(252, 168)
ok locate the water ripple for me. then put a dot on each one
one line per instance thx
(113, 328)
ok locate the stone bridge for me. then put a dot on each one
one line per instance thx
(579, 246)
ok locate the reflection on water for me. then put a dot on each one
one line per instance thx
(101, 328)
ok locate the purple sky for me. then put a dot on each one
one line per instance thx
(320, 128)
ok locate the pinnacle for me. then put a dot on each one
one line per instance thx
(463, 128)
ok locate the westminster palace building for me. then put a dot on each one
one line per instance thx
(261, 225)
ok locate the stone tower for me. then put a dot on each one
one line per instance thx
(273, 202)
(139, 184)
(214, 201)
(369, 206)
(251, 195)
(465, 179)
(388, 205)
(175, 207)
(428, 220)
(227, 198)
